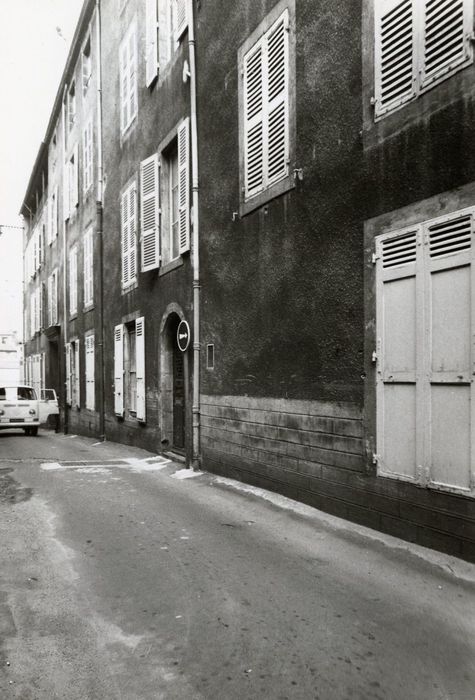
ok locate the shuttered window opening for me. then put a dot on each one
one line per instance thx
(400, 250)
(140, 368)
(266, 119)
(418, 43)
(119, 370)
(87, 156)
(451, 236)
(73, 281)
(67, 349)
(88, 255)
(149, 213)
(53, 298)
(128, 78)
(128, 236)
(90, 372)
(180, 17)
(425, 353)
(151, 39)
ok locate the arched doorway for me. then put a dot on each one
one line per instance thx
(173, 389)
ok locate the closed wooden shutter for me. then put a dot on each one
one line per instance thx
(66, 191)
(90, 372)
(119, 370)
(132, 75)
(184, 186)
(149, 213)
(181, 17)
(55, 297)
(140, 367)
(73, 285)
(75, 176)
(77, 382)
(151, 39)
(124, 85)
(165, 10)
(88, 269)
(395, 54)
(67, 349)
(446, 30)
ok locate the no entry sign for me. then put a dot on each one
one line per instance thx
(183, 336)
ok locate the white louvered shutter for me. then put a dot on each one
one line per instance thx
(181, 17)
(151, 56)
(446, 30)
(132, 97)
(395, 54)
(67, 348)
(124, 226)
(184, 186)
(277, 84)
(149, 188)
(253, 121)
(55, 297)
(140, 367)
(75, 176)
(77, 383)
(66, 191)
(90, 371)
(49, 237)
(41, 296)
(119, 370)
(132, 232)
(165, 10)
(124, 85)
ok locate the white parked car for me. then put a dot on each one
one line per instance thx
(21, 408)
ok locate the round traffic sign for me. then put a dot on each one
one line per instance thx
(183, 336)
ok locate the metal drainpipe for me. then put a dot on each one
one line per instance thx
(195, 242)
(100, 219)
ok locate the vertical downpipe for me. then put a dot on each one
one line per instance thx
(195, 242)
(65, 274)
(100, 219)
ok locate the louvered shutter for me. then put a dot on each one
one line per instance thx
(446, 28)
(181, 17)
(184, 186)
(253, 121)
(395, 54)
(124, 85)
(132, 232)
(54, 214)
(67, 348)
(151, 23)
(75, 176)
(140, 366)
(77, 375)
(41, 295)
(149, 188)
(55, 297)
(119, 370)
(164, 32)
(90, 369)
(132, 75)
(66, 192)
(277, 127)
(124, 208)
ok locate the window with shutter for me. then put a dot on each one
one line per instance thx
(90, 372)
(180, 18)
(88, 261)
(77, 378)
(87, 156)
(266, 109)
(86, 65)
(128, 78)
(129, 235)
(418, 43)
(166, 32)
(119, 370)
(73, 281)
(149, 210)
(140, 367)
(67, 349)
(151, 39)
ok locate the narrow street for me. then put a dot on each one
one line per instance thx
(120, 578)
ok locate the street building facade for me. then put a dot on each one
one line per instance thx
(286, 189)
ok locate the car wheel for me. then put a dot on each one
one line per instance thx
(34, 431)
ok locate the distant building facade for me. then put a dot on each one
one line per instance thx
(11, 359)
(290, 179)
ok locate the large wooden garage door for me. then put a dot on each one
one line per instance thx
(425, 355)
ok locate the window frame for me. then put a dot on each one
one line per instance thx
(125, 45)
(420, 83)
(287, 182)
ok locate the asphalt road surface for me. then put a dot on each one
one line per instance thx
(121, 579)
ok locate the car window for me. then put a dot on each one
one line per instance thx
(26, 393)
